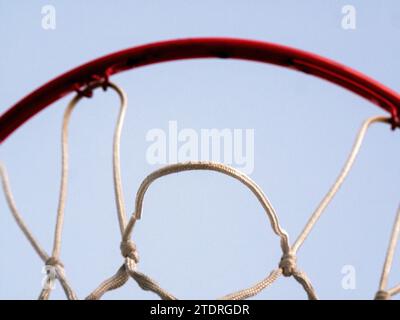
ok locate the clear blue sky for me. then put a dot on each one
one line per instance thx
(202, 234)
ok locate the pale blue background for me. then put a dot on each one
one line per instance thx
(203, 235)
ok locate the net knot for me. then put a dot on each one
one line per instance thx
(54, 262)
(382, 295)
(128, 250)
(288, 264)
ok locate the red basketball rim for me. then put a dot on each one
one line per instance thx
(101, 68)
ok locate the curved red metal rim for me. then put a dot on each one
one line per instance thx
(101, 68)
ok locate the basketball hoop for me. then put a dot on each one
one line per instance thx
(97, 73)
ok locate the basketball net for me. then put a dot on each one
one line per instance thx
(286, 267)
